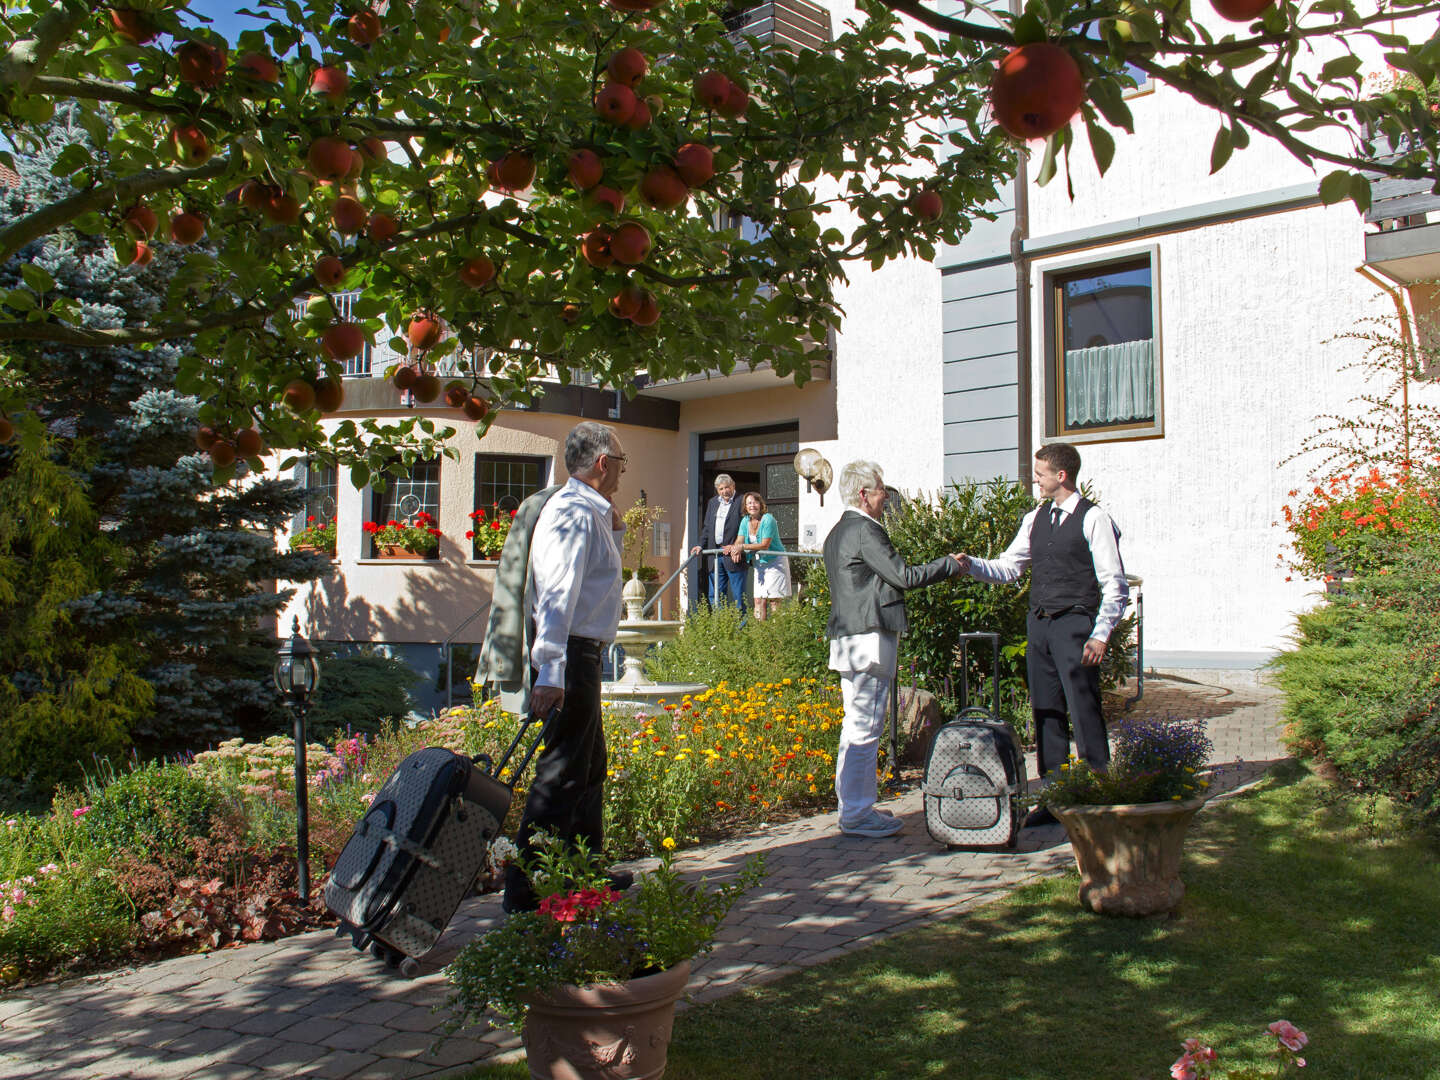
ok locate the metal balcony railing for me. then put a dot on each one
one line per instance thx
(792, 24)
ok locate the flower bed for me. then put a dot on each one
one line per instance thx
(193, 856)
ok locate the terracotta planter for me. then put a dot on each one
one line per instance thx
(612, 1031)
(313, 548)
(390, 551)
(1129, 855)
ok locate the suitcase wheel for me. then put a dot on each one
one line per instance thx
(409, 967)
(359, 939)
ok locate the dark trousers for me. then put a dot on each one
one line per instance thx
(1064, 691)
(568, 793)
(727, 581)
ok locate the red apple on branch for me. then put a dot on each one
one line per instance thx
(135, 27)
(695, 163)
(189, 145)
(1240, 10)
(584, 168)
(515, 171)
(330, 82)
(349, 215)
(330, 158)
(222, 453)
(596, 248)
(143, 254)
(404, 377)
(1036, 90)
(424, 331)
(570, 313)
(608, 197)
(364, 28)
(627, 67)
(140, 221)
(475, 408)
(205, 436)
(372, 151)
(383, 229)
(663, 189)
(711, 89)
(186, 227)
(343, 340)
(329, 271)
(426, 388)
(255, 195)
(259, 67)
(282, 208)
(640, 118)
(201, 64)
(648, 313)
(927, 205)
(7, 431)
(630, 243)
(478, 272)
(625, 303)
(615, 103)
(248, 443)
(299, 395)
(455, 394)
(737, 100)
(329, 394)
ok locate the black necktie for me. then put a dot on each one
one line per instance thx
(1054, 517)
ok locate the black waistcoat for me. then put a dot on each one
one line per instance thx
(1062, 570)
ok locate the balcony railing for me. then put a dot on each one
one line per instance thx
(792, 24)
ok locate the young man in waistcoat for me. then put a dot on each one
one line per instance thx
(1077, 595)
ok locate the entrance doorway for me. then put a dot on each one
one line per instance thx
(759, 459)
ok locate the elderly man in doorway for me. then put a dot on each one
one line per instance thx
(563, 574)
(726, 572)
(868, 580)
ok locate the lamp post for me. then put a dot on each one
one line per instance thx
(296, 676)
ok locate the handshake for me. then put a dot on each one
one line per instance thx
(963, 560)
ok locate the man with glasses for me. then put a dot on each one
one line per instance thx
(572, 599)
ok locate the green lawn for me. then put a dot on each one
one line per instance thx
(1302, 905)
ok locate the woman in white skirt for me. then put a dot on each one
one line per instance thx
(759, 538)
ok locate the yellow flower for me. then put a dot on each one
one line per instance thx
(668, 843)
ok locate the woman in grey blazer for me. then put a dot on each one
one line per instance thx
(868, 580)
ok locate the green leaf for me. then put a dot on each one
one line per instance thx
(37, 278)
(1046, 172)
(72, 159)
(359, 475)
(1220, 151)
(20, 300)
(1335, 186)
(1029, 29)
(1102, 144)
(1360, 192)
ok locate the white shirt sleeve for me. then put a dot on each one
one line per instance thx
(1012, 562)
(558, 556)
(1109, 571)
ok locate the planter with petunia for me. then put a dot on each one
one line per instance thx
(318, 535)
(1127, 825)
(591, 978)
(414, 538)
(490, 527)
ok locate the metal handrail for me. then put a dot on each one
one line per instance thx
(449, 658)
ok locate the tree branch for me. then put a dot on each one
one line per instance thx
(28, 55)
(47, 219)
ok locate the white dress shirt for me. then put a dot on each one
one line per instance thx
(574, 587)
(721, 513)
(873, 653)
(1104, 547)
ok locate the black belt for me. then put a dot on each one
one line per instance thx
(586, 645)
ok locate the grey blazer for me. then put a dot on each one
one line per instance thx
(868, 578)
(505, 656)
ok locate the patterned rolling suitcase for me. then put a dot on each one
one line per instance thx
(975, 772)
(417, 851)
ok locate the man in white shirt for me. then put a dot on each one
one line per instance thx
(868, 580)
(573, 598)
(1078, 593)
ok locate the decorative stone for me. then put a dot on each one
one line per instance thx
(610, 1031)
(1128, 855)
(633, 597)
(920, 718)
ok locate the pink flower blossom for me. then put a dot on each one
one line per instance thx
(1184, 1069)
(8, 913)
(1291, 1037)
(80, 812)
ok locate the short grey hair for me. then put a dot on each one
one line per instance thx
(857, 475)
(723, 479)
(584, 445)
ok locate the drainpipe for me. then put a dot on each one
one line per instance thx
(1409, 341)
(1024, 435)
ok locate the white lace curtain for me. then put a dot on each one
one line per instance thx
(1110, 384)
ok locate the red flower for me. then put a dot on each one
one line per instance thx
(433, 532)
(494, 524)
(310, 520)
(392, 524)
(512, 513)
(469, 534)
(371, 527)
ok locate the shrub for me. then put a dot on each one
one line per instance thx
(61, 915)
(1351, 524)
(1361, 687)
(154, 806)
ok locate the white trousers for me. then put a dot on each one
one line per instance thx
(865, 696)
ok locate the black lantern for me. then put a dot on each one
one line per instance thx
(296, 676)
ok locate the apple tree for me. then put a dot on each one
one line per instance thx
(521, 188)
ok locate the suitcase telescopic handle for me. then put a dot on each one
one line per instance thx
(495, 768)
(994, 639)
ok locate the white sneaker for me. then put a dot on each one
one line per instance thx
(874, 825)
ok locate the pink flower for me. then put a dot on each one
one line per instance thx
(81, 812)
(1184, 1069)
(8, 913)
(1291, 1037)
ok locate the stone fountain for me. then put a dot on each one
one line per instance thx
(635, 635)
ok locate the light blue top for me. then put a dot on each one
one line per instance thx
(768, 527)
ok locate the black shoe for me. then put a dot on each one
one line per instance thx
(620, 880)
(1041, 815)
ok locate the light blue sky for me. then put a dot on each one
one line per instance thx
(225, 20)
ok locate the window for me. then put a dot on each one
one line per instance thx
(1102, 351)
(322, 490)
(507, 480)
(404, 497)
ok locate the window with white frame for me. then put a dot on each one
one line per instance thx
(408, 496)
(321, 484)
(504, 481)
(1103, 352)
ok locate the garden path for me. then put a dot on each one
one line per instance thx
(310, 1006)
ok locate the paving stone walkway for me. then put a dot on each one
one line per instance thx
(310, 1006)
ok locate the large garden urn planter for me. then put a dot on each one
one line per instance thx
(1129, 855)
(610, 1031)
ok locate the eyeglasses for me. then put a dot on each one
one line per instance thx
(618, 457)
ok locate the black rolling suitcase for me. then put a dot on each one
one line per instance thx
(975, 771)
(419, 848)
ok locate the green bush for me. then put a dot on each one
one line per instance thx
(1361, 685)
(362, 692)
(72, 913)
(153, 806)
(715, 646)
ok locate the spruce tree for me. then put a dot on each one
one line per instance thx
(170, 570)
